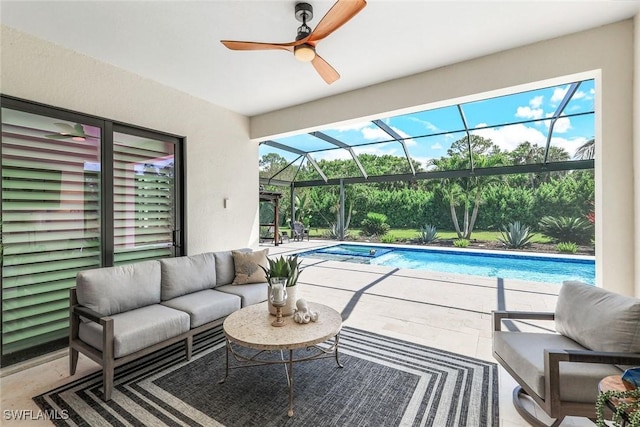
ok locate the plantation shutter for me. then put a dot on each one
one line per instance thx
(144, 198)
(50, 222)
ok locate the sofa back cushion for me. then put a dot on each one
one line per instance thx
(113, 290)
(598, 319)
(225, 267)
(187, 274)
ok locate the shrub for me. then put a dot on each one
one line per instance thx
(515, 235)
(333, 232)
(461, 243)
(388, 238)
(375, 224)
(567, 247)
(428, 234)
(566, 229)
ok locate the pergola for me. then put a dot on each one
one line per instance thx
(309, 146)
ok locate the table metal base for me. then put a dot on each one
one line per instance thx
(257, 359)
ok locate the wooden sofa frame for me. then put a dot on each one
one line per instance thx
(552, 404)
(105, 358)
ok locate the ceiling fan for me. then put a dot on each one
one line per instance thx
(304, 47)
(76, 132)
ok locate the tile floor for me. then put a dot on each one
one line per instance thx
(446, 311)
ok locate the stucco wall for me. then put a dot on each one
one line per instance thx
(636, 144)
(605, 53)
(221, 161)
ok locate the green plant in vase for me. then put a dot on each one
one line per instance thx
(287, 268)
(282, 267)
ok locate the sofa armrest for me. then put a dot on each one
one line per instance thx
(87, 313)
(499, 315)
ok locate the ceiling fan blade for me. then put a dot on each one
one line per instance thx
(326, 71)
(338, 15)
(239, 45)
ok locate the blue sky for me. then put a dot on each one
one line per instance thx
(569, 132)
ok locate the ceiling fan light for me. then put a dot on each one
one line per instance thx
(304, 52)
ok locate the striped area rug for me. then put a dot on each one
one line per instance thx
(384, 382)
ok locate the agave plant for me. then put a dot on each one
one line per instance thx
(288, 267)
(515, 235)
(428, 234)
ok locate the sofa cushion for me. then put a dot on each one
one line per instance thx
(247, 266)
(205, 306)
(524, 353)
(598, 319)
(113, 290)
(183, 275)
(252, 293)
(137, 329)
(225, 268)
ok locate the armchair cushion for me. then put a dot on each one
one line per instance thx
(523, 352)
(598, 319)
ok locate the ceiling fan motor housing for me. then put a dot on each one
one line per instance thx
(304, 12)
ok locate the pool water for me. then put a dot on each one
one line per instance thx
(547, 269)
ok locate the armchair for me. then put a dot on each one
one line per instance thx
(598, 331)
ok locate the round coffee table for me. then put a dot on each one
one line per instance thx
(251, 327)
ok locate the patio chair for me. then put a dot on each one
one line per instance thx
(560, 372)
(299, 231)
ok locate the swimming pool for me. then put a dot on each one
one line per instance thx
(548, 269)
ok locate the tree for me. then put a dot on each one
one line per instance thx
(527, 153)
(466, 191)
(586, 151)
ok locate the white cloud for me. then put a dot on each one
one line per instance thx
(570, 145)
(389, 148)
(536, 101)
(337, 154)
(436, 146)
(353, 126)
(425, 162)
(563, 124)
(529, 113)
(558, 94)
(509, 137)
(579, 95)
(374, 133)
(427, 124)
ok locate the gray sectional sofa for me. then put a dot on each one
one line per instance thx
(121, 313)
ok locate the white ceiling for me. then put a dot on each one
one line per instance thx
(177, 43)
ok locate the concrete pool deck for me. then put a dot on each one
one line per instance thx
(445, 311)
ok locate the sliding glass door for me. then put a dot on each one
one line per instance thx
(144, 192)
(50, 222)
(77, 193)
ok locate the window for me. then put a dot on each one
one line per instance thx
(63, 211)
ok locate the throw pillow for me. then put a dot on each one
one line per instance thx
(247, 266)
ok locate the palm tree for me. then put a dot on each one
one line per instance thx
(586, 151)
(465, 191)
